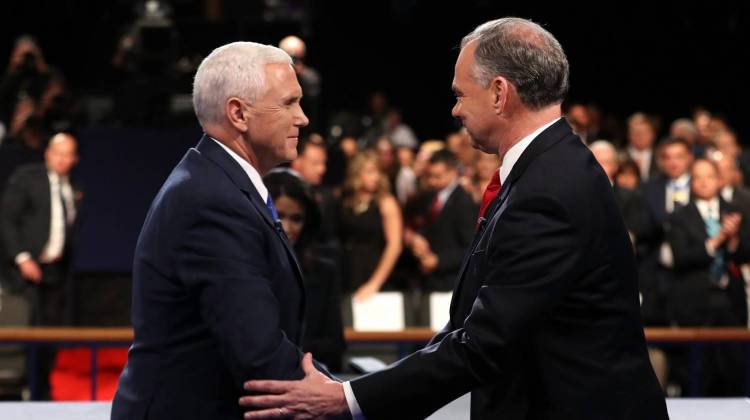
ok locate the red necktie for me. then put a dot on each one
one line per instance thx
(434, 210)
(492, 190)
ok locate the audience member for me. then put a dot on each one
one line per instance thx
(309, 79)
(370, 226)
(641, 137)
(449, 225)
(39, 210)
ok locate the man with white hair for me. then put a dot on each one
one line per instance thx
(217, 291)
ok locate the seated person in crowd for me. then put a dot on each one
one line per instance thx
(300, 218)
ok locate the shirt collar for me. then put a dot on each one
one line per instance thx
(682, 181)
(515, 152)
(446, 192)
(646, 153)
(708, 208)
(251, 172)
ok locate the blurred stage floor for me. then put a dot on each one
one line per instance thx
(679, 409)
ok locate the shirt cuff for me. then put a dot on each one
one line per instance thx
(22, 257)
(351, 401)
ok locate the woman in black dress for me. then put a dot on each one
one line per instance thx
(371, 227)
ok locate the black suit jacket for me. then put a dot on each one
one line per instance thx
(26, 217)
(632, 210)
(544, 322)
(217, 296)
(449, 237)
(653, 277)
(324, 328)
(690, 299)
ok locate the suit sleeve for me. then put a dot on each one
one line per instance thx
(15, 202)
(531, 262)
(688, 251)
(223, 258)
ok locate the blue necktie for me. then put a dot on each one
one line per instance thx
(272, 209)
(717, 268)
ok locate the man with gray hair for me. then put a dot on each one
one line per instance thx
(217, 291)
(544, 322)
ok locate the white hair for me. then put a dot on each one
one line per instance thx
(232, 70)
(603, 145)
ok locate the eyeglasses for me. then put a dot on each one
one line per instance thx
(296, 218)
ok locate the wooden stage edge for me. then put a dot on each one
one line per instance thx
(125, 335)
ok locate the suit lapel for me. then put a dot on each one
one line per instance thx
(555, 133)
(234, 171)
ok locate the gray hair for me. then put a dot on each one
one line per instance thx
(232, 70)
(685, 124)
(524, 53)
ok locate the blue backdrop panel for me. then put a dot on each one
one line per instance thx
(121, 170)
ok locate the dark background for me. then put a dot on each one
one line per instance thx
(662, 58)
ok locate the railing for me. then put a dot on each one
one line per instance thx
(94, 338)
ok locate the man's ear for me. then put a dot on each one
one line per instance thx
(500, 90)
(235, 111)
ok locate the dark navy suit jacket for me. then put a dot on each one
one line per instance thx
(217, 296)
(544, 322)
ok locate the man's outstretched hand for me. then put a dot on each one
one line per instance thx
(314, 397)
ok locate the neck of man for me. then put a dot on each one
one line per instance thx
(525, 122)
(236, 143)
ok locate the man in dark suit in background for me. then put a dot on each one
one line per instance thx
(662, 195)
(39, 209)
(449, 224)
(217, 291)
(544, 322)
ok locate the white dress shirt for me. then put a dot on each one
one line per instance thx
(515, 152)
(251, 172)
(509, 160)
(642, 158)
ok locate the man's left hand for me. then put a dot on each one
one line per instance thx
(313, 397)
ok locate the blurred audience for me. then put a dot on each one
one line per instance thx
(710, 239)
(401, 135)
